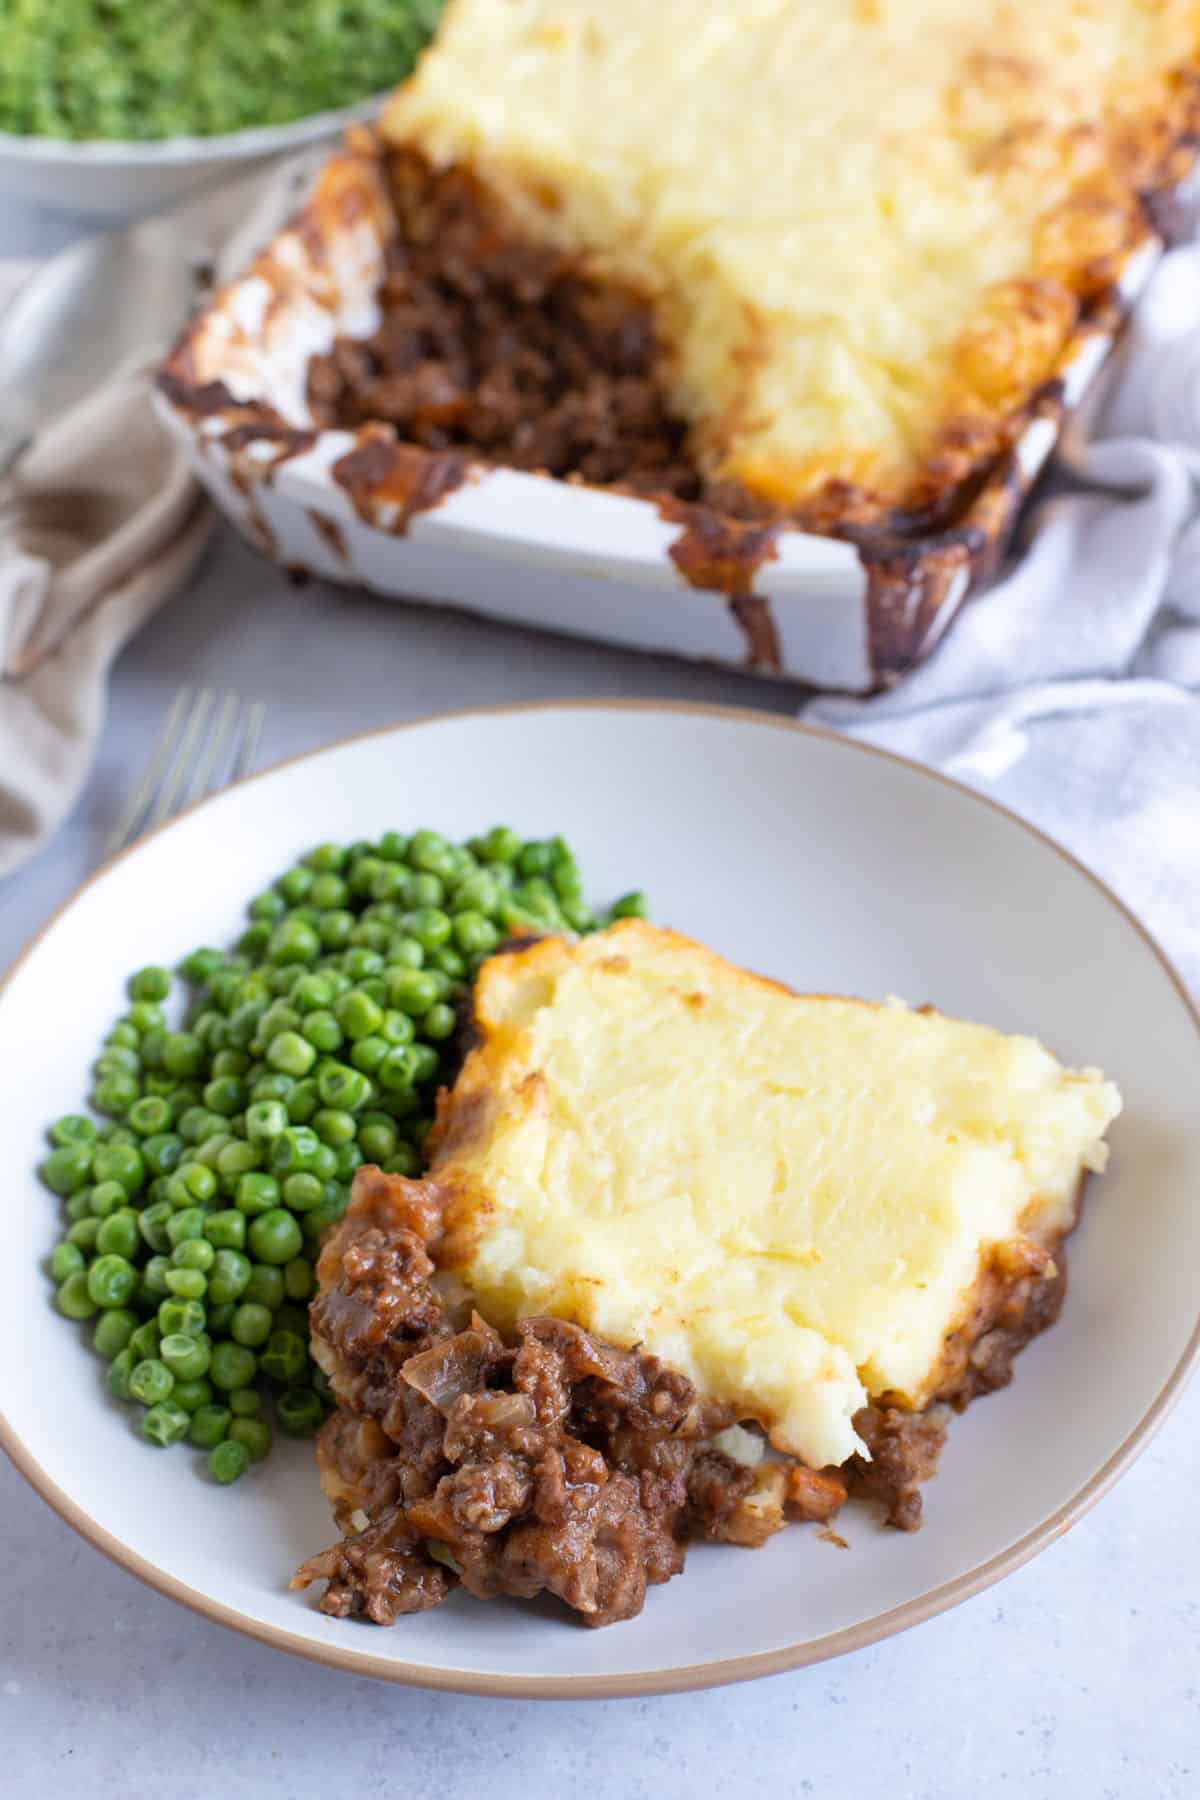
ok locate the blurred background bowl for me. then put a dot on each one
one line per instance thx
(117, 181)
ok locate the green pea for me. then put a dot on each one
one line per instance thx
(150, 983)
(328, 892)
(145, 1340)
(66, 1259)
(252, 1324)
(265, 1286)
(254, 1435)
(220, 1317)
(299, 1412)
(299, 1282)
(229, 1276)
(232, 1366)
(404, 1160)
(182, 1053)
(245, 1403)
(633, 905)
(152, 1224)
(154, 1279)
(303, 1101)
(357, 1014)
(322, 1031)
(334, 1126)
(229, 1061)
(477, 896)
(162, 1151)
(335, 929)
(294, 1150)
(238, 1159)
(118, 1059)
(349, 1158)
(68, 1168)
(114, 1328)
(200, 965)
(112, 1281)
(412, 991)
(396, 1071)
(145, 1016)
(257, 1192)
(208, 1426)
(151, 1382)
(119, 1234)
(192, 1395)
(194, 1253)
(186, 1224)
(199, 1179)
(83, 1234)
(291, 1053)
(226, 1230)
(79, 1206)
(121, 1367)
(367, 1054)
(318, 1221)
(439, 1022)
(105, 1198)
(474, 934)
(501, 845)
(181, 1315)
(275, 1237)
(293, 940)
(186, 1355)
(187, 1284)
(578, 915)
(377, 1136)
(228, 1462)
(425, 1062)
(114, 1094)
(342, 1087)
(72, 1128)
(302, 1192)
(225, 1094)
(404, 952)
(360, 963)
(165, 1423)
(285, 1356)
(265, 1119)
(120, 1162)
(208, 1152)
(269, 906)
(197, 1123)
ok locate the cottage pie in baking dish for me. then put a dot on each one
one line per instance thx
(694, 1255)
(868, 229)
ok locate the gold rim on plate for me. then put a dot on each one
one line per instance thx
(697, 1675)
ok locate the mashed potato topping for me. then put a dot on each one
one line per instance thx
(869, 225)
(789, 1198)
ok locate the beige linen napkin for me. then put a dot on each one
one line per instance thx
(101, 522)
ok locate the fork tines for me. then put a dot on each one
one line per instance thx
(208, 741)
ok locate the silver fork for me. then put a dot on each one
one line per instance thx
(207, 742)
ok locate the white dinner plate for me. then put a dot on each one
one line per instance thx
(828, 865)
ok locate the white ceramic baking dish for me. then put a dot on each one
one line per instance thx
(529, 548)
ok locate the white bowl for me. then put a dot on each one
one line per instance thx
(819, 861)
(115, 179)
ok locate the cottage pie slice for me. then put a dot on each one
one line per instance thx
(668, 1201)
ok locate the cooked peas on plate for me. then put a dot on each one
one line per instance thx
(195, 1204)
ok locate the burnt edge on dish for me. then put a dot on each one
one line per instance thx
(919, 565)
(556, 1463)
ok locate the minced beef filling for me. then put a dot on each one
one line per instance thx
(509, 349)
(556, 1463)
